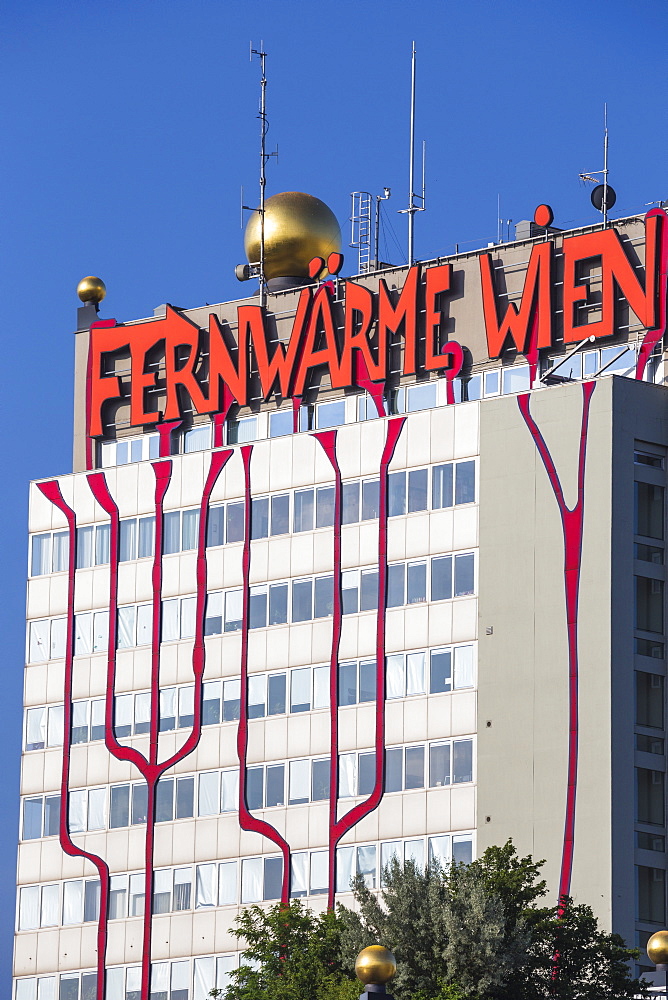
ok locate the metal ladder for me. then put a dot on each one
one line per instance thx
(361, 229)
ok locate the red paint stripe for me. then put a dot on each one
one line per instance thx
(165, 437)
(652, 337)
(572, 521)
(246, 819)
(51, 491)
(362, 809)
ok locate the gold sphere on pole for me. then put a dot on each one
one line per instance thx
(297, 228)
(375, 964)
(91, 289)
(657, 948)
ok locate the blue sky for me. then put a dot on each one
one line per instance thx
(128, 128)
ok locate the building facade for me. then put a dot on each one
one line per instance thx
(374, 570)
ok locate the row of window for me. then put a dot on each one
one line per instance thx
(228, 883)
(437, 487)
(437, 579)
(430, 671)
(292, 782)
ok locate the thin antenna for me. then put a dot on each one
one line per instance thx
(376, 239)
(603, 196)
(604, 207)
(412, 207)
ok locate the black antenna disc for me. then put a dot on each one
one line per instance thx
(597, 197)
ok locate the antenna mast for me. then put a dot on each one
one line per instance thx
(264, 157)
(604, 207)
(412, 207)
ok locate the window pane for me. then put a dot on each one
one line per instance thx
(348, 683)
(370, 499)
(421, 397)
(651, 894)
(276, 694)
(91, 900)
(208, 800)
(231, 700)
(206, 890)
(58, 637)
(465, 482)
(320, 775)
(280, 423)
(463, 666)
(417, 490)
(280, 514)
(324, 596)
(417, 582)
(350, 591)
(185, 797)
(462, 761)
(139, 803)
(439, 851)
(394, 770)
(80, 721)
(120, 806)
(102, 535)
(50, 906)
(414, 767)
(197, 438)
(255, 787)
(35, 729)
(260, 518)
(51, 815)
(142, 713)
(213, 616)
(464, 575)
(321, 687)
(441, 578)
(275, 785)
(319, 872)
(257, 688)
(299, 781)
(84, 547)
(167, 710)
(303, 515)
(97, 809)
(190, 530)
(441, 486)
(347, 775)
(324, 510)
(77, 811)
(462, 850)
(414, 851)
(439, 764)
(215, 526)
(164, 800)
(251, 880)
(257, 612)
(146, 537)
(302, 600)
(415, 673)
(40, 562)
(650, 796)
(125, 636)
(123, 705)
(186, 706)
(211, 703)
(649, 604)
(367, 690)
(229, 791)
(345, 868)
(32, 818)
(234, 522)
(649, 510)
(171, 541)
(233, 610)
(144, 624)
(350, 498)
(61, 551)
(171, 620)
(369, 590)
(38, 644)
(83, 628)
(395, 686)
(300, 689)
(55, 727)
(439, 670)
(100, 631)
(396, 494)
(278, 604)
(227, 883)
(118, 893)
(366, 773)
(395, 585)
(649, 699)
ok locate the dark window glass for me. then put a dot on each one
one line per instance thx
(462, 852)
(32, 818)
(324, 507)
(649, 647)
(324, 596)
(370, 499)
(649, 699)
(465, 482)
(276, 695)
(350, 592)
(302, 600)
(278, 604)
(394, 770)
(146, 537)
(441, 578)
(258, 608)
(464, 575)
(51, 815)
(164, 801)
(320, 780)
(91, 900)
(172, 532)
(649, 744)
(97, 730)
(275, 793)
(441, 486)
(260, 518)
(649, 510)
(417, 490)
(280, 514)
(416, 582)
(211, 705)
(347, 683)
(185, 797)
(215, 526)
(366, 773)
(439, 765)
(69, 989)
(643, 458)
(414, 767)
(651, 895)
(440, 671)
(303, 515)
(367, 681)
(139, 803)
(395, 586)
(273, 878)
(396, 494)
(254, 787)
(650, 841)
(369, 591)
(89, 986)
(234, 522)
(351, 503)
(119, 813)
(462, 761)
(128, 539)
(651, 807)
(648, 553)
(649, 604)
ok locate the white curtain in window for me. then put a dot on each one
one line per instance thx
(414, 851)
(58, 637)
(102, 538)
(205, 977)
(77, 811)
(197, 438)
(227, 883)
(126, 627)
(80, 715)
(229, 798)
(251, 880)
(85, 546)
(36, 726)
(415, 673)
(257, 687)
(26, 989)
(115, 984)
(345, 868)
(206, 891)
(46, 988)
(186, 700)
(61, 551)
(321, 687)
(144, 624)
(97, 809)
(180, 976)
(170, 620)
(394, 676)
(319, 871)
(83, 625)
(233, 606)
(73, 895)
(97, 709)
(133, 979)
(300, 780)
(41, 555)
(366, 864)
(299, 874)
(55, 728)
(136, 895)
(188, 617)
(50, 916)
(100, 631)
(38, 644)
(142, 711)
(347, 775)
(208, 800)
(159, 977)
(463, 666)
(247, 429)
(189, 529)
(29, 908)
(224, 965)
(168, 703)
(123, 710)
(439, 850)
(300, 686)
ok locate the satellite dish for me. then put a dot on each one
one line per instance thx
(597, 197)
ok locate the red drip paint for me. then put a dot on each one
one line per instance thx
(340, 827)
(165, 437)
(652, 337)
(220, 418)
(328, 441)
(51, 491)
(363, 380)
(572, 521)
(454, 351)
(90, 458)
(246, 819)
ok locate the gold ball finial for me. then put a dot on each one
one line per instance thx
(375, 964)
(297, 228)
(91, 289)
(657, 948)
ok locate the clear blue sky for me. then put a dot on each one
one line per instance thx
(128, 127)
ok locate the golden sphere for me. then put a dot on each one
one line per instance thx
(91, 289)
(657, 948)
(297, 228)
(375, 964)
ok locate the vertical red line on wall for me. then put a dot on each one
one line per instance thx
(246, 819)
(362, 809)
(572, 522)
(327, 440)
(51, 491)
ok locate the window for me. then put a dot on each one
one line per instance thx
(197, 438)
(648, 510)
(241, 429)
(651, 894)
(280, 423)
(330, 414)
(650, 796)
(649, 604)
